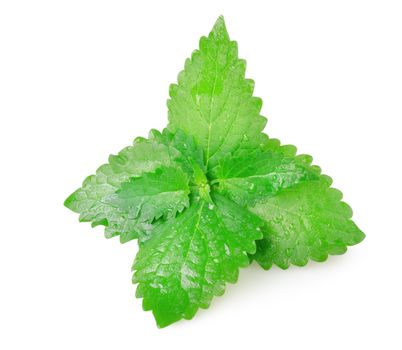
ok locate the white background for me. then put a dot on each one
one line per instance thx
(80, 79)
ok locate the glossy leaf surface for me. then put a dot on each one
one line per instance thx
(213, 101)
(190, 258)
(307, 221)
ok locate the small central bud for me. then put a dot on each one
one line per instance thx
(202, 183)
(204, 190)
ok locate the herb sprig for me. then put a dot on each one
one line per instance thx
(211, 192)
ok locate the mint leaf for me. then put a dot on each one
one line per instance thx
(191, 156)
(189, 259)
(213, 101)
(249, 176)
(153, 195)
(307, 221)
(211, 192)
(92, 200)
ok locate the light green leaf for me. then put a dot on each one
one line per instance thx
(250, 176)
(161, 193)
(91, 200)
(307, 221)
(213, 102)
(189, 259)
(191, 155)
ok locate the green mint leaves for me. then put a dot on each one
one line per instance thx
(211, 192)
(213, 101)
(189, 259)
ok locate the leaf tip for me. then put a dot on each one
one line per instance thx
(70, 201)
(167, 318)
(219, 29)
(358, 237)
